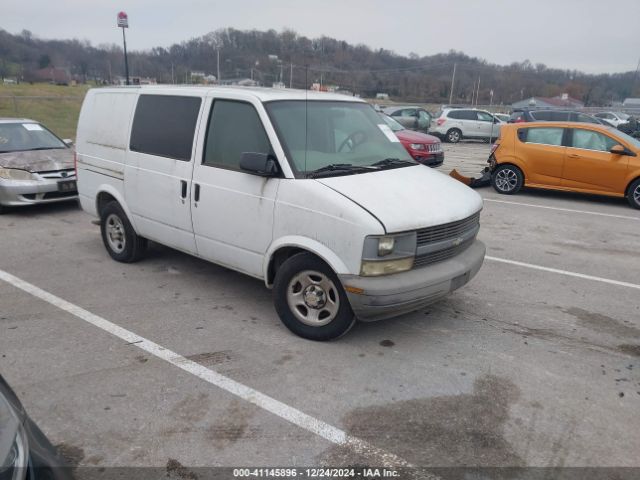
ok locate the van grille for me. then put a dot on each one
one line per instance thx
(448, 230)
(442, 233)
(441, 255)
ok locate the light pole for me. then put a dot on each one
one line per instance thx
(123, 22)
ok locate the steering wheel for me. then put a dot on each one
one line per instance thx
(353, 140)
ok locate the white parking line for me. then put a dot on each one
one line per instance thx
(282, 410)
(570, 210)
(564, 272)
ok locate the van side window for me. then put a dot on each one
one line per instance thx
(234, 128)
(164, 125)
(544, 136)
(590, 140)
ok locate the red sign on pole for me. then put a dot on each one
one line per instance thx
(123, 20)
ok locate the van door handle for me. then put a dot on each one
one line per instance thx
(196, 192)
(573, 155)
(183, 185)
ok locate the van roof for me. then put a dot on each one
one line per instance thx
(261, 93)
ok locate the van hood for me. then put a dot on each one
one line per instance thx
(38, 160)
(408, 198)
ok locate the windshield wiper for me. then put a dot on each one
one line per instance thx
(340, 167)
(41, 148)
(393, 162)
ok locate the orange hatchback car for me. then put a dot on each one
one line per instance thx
(576, 157)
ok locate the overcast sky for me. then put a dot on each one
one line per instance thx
(590, 35)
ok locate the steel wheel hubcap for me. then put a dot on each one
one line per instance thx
(506, 180)
(636, 195)
(313, 298)
(453, 136)
(115, 233)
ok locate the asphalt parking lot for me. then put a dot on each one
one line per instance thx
(175, 361)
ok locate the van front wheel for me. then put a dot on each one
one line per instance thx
(310, 300)
(118, 236)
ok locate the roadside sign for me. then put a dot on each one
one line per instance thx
(123, 20)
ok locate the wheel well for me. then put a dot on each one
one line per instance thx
(279, 257)
(102, 200)
(626, 190)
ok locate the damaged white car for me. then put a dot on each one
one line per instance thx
(35, 165)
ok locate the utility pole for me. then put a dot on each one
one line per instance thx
(172, 78)
(123, 22)
(291, 76)
(635, 77)
(453, 79)
(473, 92)
(218, 63)
(478, 92)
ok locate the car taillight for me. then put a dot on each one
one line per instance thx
(519, 120)
(440, 121)
(494, 147)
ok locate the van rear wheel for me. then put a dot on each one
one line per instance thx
(310, 300)
(119, 238)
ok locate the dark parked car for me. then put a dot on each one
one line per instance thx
(25, 452)
(412, 117)
(519, 116)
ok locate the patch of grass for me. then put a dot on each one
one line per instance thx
(58, 108)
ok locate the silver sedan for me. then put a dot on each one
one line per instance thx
(35, 165)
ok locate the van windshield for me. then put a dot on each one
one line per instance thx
(343, 137)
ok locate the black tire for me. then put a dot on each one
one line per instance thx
(287, 279)
(133, 246)
(507, 179)
(453, 136)
(633, 194)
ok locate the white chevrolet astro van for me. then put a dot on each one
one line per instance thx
(310, 192)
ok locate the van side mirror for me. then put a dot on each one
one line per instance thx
(68, 142)
(262, 164)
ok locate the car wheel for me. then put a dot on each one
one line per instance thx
(454, 135)
(310, 299)
(507, 179)
(633, 195)
(118, 236)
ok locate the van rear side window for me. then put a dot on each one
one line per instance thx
(164, 125)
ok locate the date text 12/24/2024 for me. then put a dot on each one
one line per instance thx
(364, 472)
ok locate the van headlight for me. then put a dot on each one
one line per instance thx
(16, 174)
(387, 254)
(14, 447)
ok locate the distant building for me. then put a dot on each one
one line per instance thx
(242, 82)
(135, 81)
(382, 96)
(57, 75)
(631, 103)
(563, 101)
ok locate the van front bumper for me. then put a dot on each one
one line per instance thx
(392, 295)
